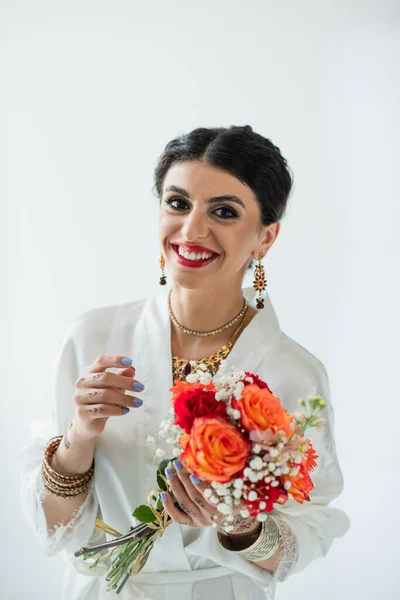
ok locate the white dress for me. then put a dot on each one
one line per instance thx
(186, 563)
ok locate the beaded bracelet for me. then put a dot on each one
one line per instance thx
(263, 548)
(66, 486)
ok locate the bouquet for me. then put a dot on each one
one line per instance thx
(228, 430)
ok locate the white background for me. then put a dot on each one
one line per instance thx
(90, 94)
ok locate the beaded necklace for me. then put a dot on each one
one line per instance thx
(212, 361)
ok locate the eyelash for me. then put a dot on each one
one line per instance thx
(234, 214)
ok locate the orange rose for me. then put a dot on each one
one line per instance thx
(261, 410)
(215, 450)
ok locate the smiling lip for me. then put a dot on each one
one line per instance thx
(192, 248)
(192, 263)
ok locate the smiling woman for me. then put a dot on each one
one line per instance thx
(222, 195)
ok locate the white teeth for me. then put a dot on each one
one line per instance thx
(193, 255)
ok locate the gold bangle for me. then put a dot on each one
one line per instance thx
(66, 486)
(265, 545)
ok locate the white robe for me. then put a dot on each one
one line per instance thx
(186, 563)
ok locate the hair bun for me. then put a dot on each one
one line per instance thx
(248, 128)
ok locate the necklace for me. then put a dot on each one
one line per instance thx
(212, 361)
(205, 333)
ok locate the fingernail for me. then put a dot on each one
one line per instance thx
(194, 479)
(163, 496)
(177, 465)
(126, 361)
(137, 402)
(125, 410)
(139, 387)
(169, 472)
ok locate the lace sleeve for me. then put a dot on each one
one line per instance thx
(69, 536)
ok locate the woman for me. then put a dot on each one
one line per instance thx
(223, 193)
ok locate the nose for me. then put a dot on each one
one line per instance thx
(195, 225)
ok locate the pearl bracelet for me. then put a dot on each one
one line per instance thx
(263, 548)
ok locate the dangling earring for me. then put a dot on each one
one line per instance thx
(260, 283)
(163, 279)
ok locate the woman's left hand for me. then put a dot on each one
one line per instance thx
(195, 509)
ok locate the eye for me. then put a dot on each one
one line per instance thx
(229, 214)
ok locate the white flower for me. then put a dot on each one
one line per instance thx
(256, 463)
(262, 517)
(262, 505)
(214, 499)
(252, 495)
(256, 448)
(208, 493)
(274, 483)
(238, 483)
(230, 518)
(247, 471)
(244, 513)
(191, 378)
(278, 472)
(224, 508)
(287, 485)
(203, 367)
(205, 378)
(271, 466)
(223, 394)
(236, 501)
(236, 414)
(237, 493)
(249, 379)
(160, 453)
(273, 452)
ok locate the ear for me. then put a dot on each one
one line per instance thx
(270, 234)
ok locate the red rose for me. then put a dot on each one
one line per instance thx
(265, 493)
(197, 403)
(261, 384)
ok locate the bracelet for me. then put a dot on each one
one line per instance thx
(263, 548)
(66, 486)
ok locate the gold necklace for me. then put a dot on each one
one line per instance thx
(212, 361)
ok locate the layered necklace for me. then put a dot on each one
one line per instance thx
(180, 365)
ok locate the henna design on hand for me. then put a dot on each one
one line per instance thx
(200, 502)
(241, 526)
(97, 376)
(93, 393)
(67, 443)
(95, 409)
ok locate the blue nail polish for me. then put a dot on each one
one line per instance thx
(126, 361)
(125, 410)
(169, 472)
(139, 387)
(177, 465)
(137, 402)
(164, 497)
(194, 479)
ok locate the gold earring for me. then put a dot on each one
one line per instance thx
(163, 279)
(259, 283)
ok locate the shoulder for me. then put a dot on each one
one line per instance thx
(102, 321)
(295, 372)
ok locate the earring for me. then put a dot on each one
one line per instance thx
(260, 283)
(163, 279)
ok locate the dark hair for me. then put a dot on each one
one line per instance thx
(247, 155)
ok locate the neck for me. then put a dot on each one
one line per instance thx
(200, 310)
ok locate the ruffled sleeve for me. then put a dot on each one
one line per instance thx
(68, 536)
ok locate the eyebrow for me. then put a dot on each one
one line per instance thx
(215, 199)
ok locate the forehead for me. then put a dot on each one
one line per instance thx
(203, 180)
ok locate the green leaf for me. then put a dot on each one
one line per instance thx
(144, 514)
(163, 465)
(161, 482)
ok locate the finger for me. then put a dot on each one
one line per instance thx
(194, 491)
(175, 513)
(107, 361)
(101, 411)
(107, 396)
(106, 379)
(179, 491)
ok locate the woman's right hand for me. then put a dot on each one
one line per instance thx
(100, 394)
